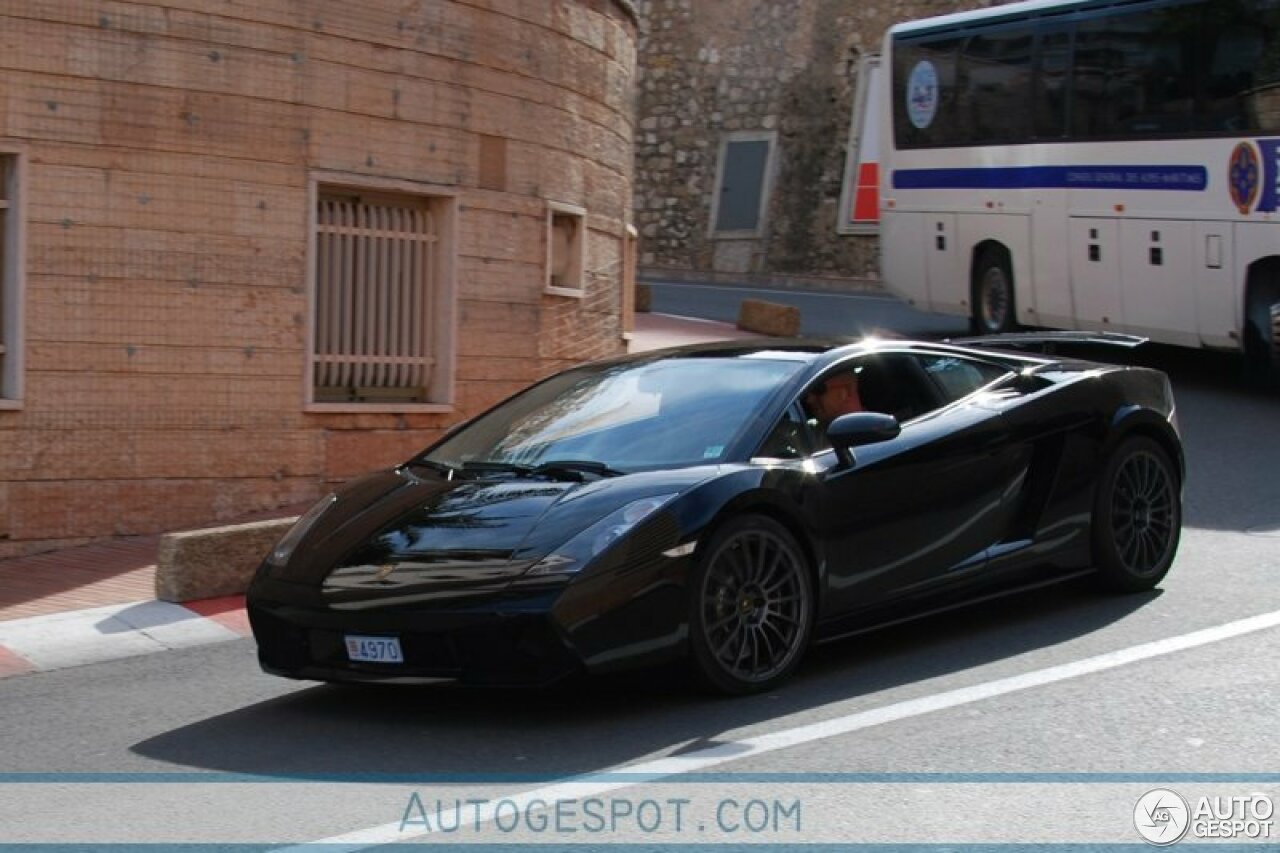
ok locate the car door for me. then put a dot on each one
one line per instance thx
(918, 511)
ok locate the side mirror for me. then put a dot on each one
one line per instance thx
(849, 431)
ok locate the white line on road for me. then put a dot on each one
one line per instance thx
(723, 753)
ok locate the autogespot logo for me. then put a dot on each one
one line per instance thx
(1161, 817)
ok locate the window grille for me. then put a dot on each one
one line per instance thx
(11, 281)
(376, 277)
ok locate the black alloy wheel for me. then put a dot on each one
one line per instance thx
(993, 306)
(1137, 517)
(752, 606)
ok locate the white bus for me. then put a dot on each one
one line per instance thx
(1105, 165)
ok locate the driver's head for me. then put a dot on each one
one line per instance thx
(837, 395)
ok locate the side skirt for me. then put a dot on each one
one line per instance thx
(875, 624)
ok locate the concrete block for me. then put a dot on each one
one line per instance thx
(215, 561)
(769, 318)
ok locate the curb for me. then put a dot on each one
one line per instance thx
(115, 632)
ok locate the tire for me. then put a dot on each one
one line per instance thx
(994, 310)
(1262, 341)
(751, 607)
(1137, 517)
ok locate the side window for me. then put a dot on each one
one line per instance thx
(1053, 73)
(958, 377)
(893, 383)
(906, 385)
(924, 92)
(792, 438)
(994, 86)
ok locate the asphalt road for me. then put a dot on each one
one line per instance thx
(1039, 718)
(821, 313)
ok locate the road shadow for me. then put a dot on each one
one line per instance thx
(593, 724)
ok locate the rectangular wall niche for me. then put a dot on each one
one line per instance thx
(566, 249)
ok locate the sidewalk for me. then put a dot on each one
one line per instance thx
(97, 602)
(657, 331)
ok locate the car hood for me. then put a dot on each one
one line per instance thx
(414, 535)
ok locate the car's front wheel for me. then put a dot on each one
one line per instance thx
(1137, 516)
(752, 606)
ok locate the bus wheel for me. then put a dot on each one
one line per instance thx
(1262, 336)
(993, 308)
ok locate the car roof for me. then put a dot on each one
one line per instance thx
(822, 351)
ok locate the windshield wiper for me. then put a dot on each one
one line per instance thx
(440, 467)
(576, 467)
(486, 466)
(560, 469)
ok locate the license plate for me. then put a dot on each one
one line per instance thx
(374, 649)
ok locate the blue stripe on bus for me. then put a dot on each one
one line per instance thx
(1184, 178)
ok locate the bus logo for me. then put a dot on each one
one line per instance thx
(1245, 178)
(922, 94)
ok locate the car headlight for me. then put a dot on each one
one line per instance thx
(569, 558)
(280, 555)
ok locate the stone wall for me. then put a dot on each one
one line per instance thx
(710, 68)
(169, 151)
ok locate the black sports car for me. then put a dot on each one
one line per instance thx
(730, 503)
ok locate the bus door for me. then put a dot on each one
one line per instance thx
(1157, 267)
(1095, 272)
(902, 257)
(1217, 295)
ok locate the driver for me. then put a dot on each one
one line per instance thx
(835, 396)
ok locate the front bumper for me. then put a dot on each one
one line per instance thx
(629, 609)
(492, 646)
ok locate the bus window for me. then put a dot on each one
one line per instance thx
(1242, 83)
(994, 87)
(924, 86)
(1135, 74)
(1051, 101)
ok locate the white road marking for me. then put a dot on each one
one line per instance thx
(112, 632)
(723, 753)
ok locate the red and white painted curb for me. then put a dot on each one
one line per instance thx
(74, 638)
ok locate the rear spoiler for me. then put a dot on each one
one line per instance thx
(1048, 342)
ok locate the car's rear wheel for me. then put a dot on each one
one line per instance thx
(752, 606)
(1137, 516)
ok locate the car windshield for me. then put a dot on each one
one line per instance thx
(632, 416)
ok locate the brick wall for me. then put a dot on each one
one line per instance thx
(169, 151)
(745, 65)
